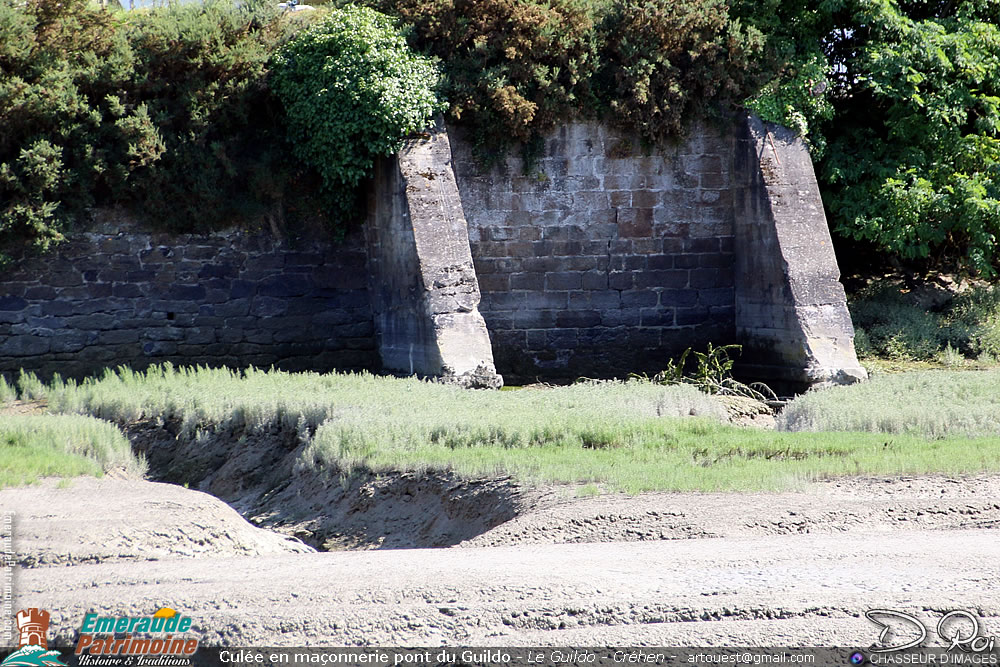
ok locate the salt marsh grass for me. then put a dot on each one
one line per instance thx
(932, 404)
(631, 436)
(8, 394)
(642, 454)
(35, 446)
(254, 399)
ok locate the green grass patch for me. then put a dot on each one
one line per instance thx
(199, 398)
(36, 446)
(630, 436)
(655, 455)
(931, 404)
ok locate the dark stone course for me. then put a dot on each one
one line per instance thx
(136, 299)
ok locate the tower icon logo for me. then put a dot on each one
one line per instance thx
(33, 641)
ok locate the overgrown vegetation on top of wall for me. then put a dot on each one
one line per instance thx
(171, 111)
(516, 68)
(355, 91)
(165, 111)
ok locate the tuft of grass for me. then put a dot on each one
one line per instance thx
(30, 388)
(932, 404)
(36, 446)
(8, 394)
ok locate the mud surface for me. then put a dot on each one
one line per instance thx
(261, 475)
(532, 567)
(752, 569)
(87, 520)
(787, 589)
(870, 505)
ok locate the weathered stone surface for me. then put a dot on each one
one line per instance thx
(673, 249)
(587, 258)
(425, 295)
(790, 306)
(134, 298)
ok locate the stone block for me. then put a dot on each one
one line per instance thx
(678, 298)
(722, 296)
(702, 245)
(39, 293)
(691, 316)
(24, 346)
(656, 317)
(604, 300)
(621, 280)
(639, 299)
(92, 322)
(672, 279)
(186, 292)
(594, 280)
(118, 337)
(159, 348)
(546, 300)
(12, 303)
(702, 278)
(127, 290)
(716, 260)
(563, 280)
(72, 341)
(200, 336)
(163, 333)
(534, 319)
(264, 306)
(635, 222)
(634, 263)
(578, 319)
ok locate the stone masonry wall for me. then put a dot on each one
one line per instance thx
(126, 297)
(602, 259)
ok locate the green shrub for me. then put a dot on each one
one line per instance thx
(794, 99)
(862, 343)
(712, 373)
(892, 326)
(664, 62)
(513, 68)
(975, 321)
(166, 111)
(352, 90)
